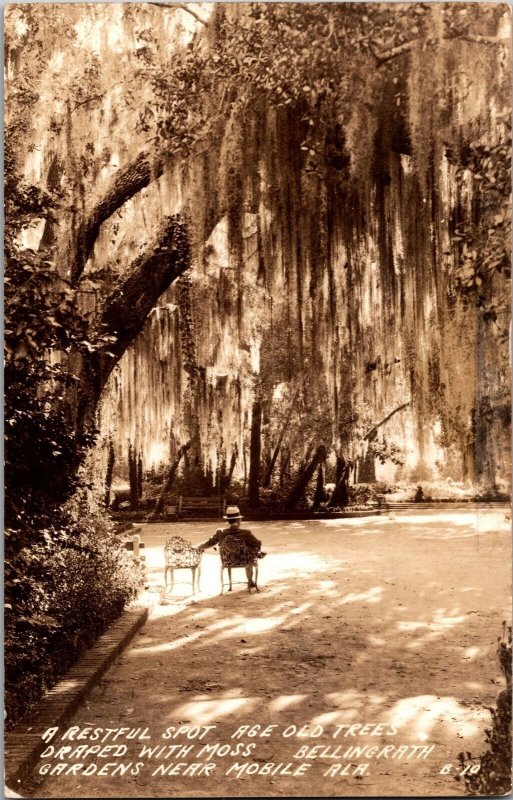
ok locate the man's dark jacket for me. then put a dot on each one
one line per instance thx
(238, 533)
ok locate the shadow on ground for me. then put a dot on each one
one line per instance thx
(390, 622)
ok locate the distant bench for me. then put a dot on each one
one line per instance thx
(403, 506)
(212, 506)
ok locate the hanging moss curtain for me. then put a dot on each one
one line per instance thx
(344, 173)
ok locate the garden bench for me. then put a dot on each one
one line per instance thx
(201, 506)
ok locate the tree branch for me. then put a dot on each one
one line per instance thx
(407, 47)
(477, 38)
(182, 7)
(394, 52)
(185, 7)
(127, 182)
(87, 100)
(125, 311)
(372, 431)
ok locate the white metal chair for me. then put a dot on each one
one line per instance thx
(180, 554)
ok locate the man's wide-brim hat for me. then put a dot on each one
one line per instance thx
(232, 513)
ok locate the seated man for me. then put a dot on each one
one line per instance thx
(233, 517)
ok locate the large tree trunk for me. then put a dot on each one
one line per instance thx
(319, 496)
(124, 313)
(367, 466)
(254, 454)
(304, 478)
(225, 485)
(340, 496)
(126, 309)
(170, 479)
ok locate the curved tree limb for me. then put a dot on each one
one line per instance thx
(477, 38)
(371, 433)
(125, 311)
(159, 506)
(127, 182)
(406, 47)
(304, 478)
(394, 52)
(183, 7)
(86, 101)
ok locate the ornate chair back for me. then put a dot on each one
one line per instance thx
(180, 554)
(236, 553)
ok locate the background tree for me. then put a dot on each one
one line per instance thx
(240, 95)
(347, 165)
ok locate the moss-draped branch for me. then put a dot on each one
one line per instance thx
(125, 310)
(126, 183)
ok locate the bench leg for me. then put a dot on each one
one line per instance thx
(193, 571)
(222, 584)
(230, 579)
(256, 577)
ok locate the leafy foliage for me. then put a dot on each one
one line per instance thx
(493, 776)
(485, 238)
(45, 333)
(42, 450)
(61, 592)
(65, 578)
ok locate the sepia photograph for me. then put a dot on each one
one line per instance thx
(257, 411)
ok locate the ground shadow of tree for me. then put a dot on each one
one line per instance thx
(354, 636)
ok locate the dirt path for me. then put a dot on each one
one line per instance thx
(387, 620)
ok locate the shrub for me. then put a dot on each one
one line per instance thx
(492, 770)
(66, 577)
(62, 592)
(363, 493)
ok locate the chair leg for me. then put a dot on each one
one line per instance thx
(222, 584)
(193, 571)
(256, 577)
(172, 570)
(198, 577)
(230, 578)
(165, 576)
(249, 576)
